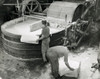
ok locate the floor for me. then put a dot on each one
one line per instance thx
(87, 58)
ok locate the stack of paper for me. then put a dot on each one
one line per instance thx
(29, 38)
(64, 70)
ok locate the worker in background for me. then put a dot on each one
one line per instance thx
(70, 32)
(45, 37)
(53, 55)
(74, 31)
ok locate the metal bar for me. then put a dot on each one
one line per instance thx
(25, 4)
(9, 4)
(84, 32)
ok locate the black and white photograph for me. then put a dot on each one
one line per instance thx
(49, 39)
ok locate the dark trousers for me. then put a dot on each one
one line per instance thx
(53, 59)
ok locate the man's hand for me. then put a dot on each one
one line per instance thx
(39, 35)
(37, 40)
(67, 64)
(72, 69)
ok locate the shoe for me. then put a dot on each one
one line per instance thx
(45, 62)
(59, 77)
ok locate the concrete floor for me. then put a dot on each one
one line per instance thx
(87, 58)
(11, 68)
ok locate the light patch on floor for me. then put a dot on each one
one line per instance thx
(86, 58)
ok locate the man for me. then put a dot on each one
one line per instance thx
(53, 54)
(45, 39)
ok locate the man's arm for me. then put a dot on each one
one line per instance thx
(45, 34)
(42, 37)
(66, 62)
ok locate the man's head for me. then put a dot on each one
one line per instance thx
(44, 22)
(48, 24)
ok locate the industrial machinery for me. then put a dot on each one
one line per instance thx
(60, 17)
(13, 31)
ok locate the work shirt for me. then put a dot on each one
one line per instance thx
(58, 51)
(46, 32)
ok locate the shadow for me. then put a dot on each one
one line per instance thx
(65, 77)
(32, 65)
(36, 67)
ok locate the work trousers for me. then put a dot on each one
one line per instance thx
(45, 47)
(53, 59)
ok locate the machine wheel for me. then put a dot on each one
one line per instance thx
(30, 6)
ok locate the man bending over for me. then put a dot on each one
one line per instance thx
(53, 54)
